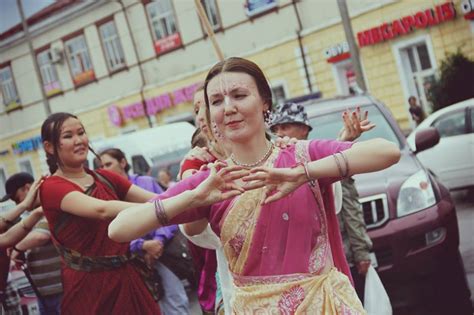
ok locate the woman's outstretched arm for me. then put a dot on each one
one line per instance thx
(140, 219)
(363, 157)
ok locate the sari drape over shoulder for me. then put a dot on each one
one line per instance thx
(286, 257)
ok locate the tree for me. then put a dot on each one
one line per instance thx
(455, 83)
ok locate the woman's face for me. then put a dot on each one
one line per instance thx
(73, 143)
(236, 106)
(112, 164)
(200, 112)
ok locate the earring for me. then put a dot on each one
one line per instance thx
(268, 117)
(215, 130)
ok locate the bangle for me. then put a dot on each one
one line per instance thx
(6, 221)
(160, 212)
(23, 225)
(341, 174)
(18, 250)
(305, 166)
(347, 164)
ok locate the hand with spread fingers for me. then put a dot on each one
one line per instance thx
(278, 182)
(220, 184)
(355, 124)
(31, 200)
(284, 142)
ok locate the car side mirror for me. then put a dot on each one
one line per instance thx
(426, 138)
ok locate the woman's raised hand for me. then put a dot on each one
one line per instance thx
(283, 142)
(220, 184)
(355, 124)
(278, 182)
(31, 198)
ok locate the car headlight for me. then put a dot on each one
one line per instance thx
(415, 194)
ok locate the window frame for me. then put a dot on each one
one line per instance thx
(12, 104)
(21, 160)
(90, 72)
(5, 172)
(56, 84)
(218, 14)
(170, 42)
(105, 52)
(452, 113)
(276, 84)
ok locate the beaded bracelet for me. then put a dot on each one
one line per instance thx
(160, 212)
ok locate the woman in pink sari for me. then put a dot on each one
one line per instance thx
(280, 237)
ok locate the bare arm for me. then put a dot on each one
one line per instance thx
(32, 240)
(140, 219)
(138, 194)
(83, 205)
(17, 232)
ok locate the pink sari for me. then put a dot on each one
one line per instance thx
(286, 257)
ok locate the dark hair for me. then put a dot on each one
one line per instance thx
(118, 155)
(235, 64)
(411, 97)
(51, 132)
(198, 139)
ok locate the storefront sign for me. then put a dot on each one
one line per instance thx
(255, 7)
(84, 77)
(153, 105)
(407, 24)
(337, 53)
(168, 43)
(467, 9)
(31, 144)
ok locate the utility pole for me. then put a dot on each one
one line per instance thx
(207, 26)
(47, 109)
(346, 22)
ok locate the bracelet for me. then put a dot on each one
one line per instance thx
(23, 225)
(341, 174)
(347, 164)
(305, 166)
(18, 250)
(6, 221)
(160, 212)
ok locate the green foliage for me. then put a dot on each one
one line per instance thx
(455, 83)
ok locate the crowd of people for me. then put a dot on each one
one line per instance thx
(260, 214)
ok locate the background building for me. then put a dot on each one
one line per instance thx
(130, 64)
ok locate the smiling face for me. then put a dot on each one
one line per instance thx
(73, 144)
(236, 106)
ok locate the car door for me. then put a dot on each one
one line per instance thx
(452, 159)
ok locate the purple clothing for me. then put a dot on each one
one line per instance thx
(162, 234)
(146, 182)
(288, 244)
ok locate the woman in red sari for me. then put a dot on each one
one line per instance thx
(98, 274)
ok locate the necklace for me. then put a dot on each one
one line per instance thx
(258, 162)
(75, 177)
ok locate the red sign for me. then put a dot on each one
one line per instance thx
(168, 43)
(467, 8)
(337, 53)
(407, 24)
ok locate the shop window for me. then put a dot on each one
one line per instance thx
(48, 73)
(9, 93)
(453, 124)
(79, 60)
(163, 24)
(279, 93)
(112, 46)
(25, 166)
(419, 71)
(210, 6)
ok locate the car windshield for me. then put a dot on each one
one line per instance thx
(327, 126)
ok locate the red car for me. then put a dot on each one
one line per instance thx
(409, 214)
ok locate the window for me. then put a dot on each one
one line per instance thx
(79, 60)
(163, 25)
(112, 46)
(279, 91)
(210, 6)
(256, 7)
(25, 166)
(10, 95)
(452, 124)
(48, 73)
(3, 180)
(472, 119)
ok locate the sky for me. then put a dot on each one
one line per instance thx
(10, 16)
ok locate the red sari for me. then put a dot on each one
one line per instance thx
(117, 291)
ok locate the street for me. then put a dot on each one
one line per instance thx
(465, 209)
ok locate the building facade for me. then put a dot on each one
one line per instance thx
(127, 65)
